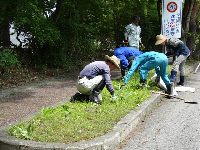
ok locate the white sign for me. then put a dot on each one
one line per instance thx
(171, 18)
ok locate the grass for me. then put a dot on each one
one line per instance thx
(73, 122)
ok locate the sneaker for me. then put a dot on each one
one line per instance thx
(75, 97)
(94, 98)
(99, 97)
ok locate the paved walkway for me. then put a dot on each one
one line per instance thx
(173, 125)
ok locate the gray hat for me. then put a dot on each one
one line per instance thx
(136, 17)
(130, 58)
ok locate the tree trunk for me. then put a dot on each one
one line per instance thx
(57, 11)
(158, 10)
(4, 28)
(187, 11)
(4, 35)
(192, 29)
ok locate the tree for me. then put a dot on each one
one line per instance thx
(5, 14)
(189, 24)
(57, 11)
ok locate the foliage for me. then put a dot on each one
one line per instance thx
(85, 30)
(8, 59)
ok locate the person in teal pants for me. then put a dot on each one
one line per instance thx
(148, 61)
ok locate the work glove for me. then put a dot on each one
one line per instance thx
(141, 44)
(142, 47)
(126, 42)
(114, 98)
(157, 80)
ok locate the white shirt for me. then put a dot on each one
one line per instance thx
(133, 31)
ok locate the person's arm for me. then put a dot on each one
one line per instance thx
(126, 32)
(108, 82)
(140, 30)
(134, 66)
(123, 61)
(180, 45)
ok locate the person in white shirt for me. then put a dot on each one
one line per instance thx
(132, 33)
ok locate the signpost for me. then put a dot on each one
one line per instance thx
(171, 18)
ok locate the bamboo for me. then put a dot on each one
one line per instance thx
(186, 101)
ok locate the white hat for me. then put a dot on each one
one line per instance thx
(114, 59)
(160, 39)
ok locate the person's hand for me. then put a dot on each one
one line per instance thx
(157, 80)
(114, 98)
(122, 85)
(142, 47)
(126, 42)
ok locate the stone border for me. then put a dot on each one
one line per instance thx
(105, 142)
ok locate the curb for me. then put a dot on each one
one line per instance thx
(105, 142)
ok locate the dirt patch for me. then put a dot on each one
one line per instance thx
(20, 105)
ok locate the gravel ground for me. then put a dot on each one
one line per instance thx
(14, 107)
(20, 105)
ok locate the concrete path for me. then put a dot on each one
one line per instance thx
(173, 125)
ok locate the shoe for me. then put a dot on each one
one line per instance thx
(94, 97)
(99, 97)
(169, 90)
(143, 82)
(79, 97)
(75, 97)
(181, 81)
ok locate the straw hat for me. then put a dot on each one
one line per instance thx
(160, 38)
(114, 59)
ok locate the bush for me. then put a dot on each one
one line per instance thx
(8, 59)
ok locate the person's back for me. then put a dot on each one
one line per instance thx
(123, 53)
(127, 51)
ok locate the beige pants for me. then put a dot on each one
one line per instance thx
(86, 86)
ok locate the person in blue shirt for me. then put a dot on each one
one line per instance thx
(123, 53)
(177, 48)
(148, 61)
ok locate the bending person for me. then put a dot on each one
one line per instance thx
(148, 61)
(93, 78)
(123, 53)
(178, 49)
